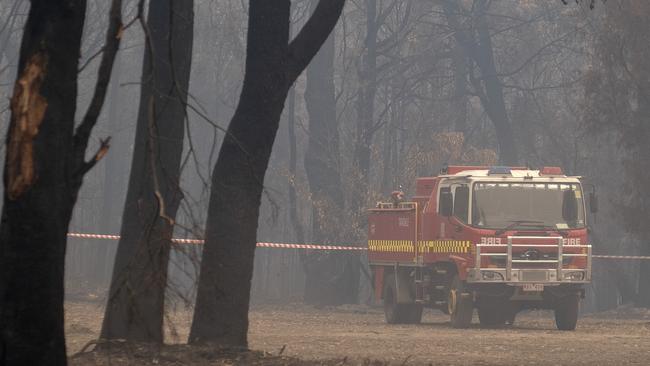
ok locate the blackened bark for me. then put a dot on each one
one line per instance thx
(44, 169)
(112, 178)
(476, 41)
(272, 65)
(366, 102)
(492, 100)
(135, 308)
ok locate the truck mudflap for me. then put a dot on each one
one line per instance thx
(526, 271)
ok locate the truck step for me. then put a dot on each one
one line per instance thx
(441, 271)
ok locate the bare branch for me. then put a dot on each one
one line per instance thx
(101, 152)
(312, 35)
(113, 37)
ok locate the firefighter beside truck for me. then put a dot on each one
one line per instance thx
(495, 239)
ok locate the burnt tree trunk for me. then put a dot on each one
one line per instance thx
(272, 65)
(492, 99)
(112, 179)
(326, 281)
(44, 169)
(135, 308)
(476, 41)
(366, 103)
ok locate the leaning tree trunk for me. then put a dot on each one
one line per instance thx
(135, 308)
(272, 65)
(44, 169)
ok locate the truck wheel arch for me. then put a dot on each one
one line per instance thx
(459, 265)
(403, 283)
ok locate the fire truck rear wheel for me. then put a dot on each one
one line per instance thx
(566, 312)
(460, 304)
(398, 313)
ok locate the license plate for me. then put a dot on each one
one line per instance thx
(537, 287)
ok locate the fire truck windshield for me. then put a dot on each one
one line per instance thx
(549, 205)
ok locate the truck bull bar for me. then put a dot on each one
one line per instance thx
(509, 275)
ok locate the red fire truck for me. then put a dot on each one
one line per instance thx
(495, 239)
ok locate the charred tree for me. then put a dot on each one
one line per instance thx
(617, 105)
(475, 39)
(135, 308)
(112, 179)
(366, 102)
(328, 280)
(272, 65)
(44, 170)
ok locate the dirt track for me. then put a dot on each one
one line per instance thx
(359, 333)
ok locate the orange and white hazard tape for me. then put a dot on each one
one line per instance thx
(310, 246)
(641, 257)
(117, 237)
(261, 244)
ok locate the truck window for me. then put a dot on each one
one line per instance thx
(442, 190)
(556, 205)
(461, 203)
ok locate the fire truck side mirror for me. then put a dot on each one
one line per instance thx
(593, 202)
(446, 203)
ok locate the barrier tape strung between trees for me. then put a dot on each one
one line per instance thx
(309, 246)
(260, 244)
(621, 257)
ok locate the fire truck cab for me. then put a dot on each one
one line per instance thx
(495, 239)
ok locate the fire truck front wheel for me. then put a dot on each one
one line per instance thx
(460, 304)
(566, 312)
(398, 313)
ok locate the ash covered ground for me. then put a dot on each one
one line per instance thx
(357, 335)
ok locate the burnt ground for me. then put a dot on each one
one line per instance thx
(357, 335)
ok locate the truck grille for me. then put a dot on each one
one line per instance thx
(531, 263)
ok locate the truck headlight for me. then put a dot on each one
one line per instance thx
(491, 276)
(574, 276)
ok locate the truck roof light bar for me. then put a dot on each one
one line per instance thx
(500, 170)
(551, 170)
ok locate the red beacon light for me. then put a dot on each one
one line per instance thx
(551, 170)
